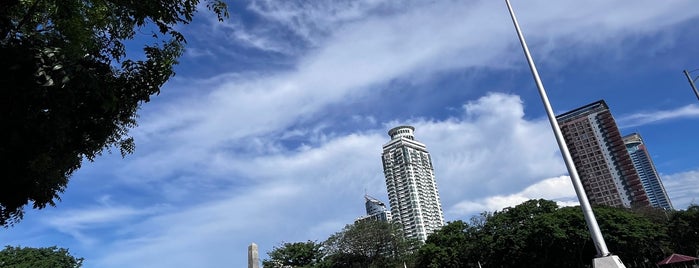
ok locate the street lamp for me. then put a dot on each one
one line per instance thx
(691, 81)
(604, 258)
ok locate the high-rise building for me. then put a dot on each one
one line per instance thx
(646, 171)
(375, 210)
(605, 167)
(410, 180)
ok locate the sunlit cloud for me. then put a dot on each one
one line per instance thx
(559, 189)
(681, 188)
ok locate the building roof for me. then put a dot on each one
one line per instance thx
(372, 199)
(677, 258)
(594, 107)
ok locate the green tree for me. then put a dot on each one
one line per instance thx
(542, 235)
(369, 244)
(447, 247)
(71, 91)
(51, 257)
(560, 238)
(636, 239)
(298, 254)
(538, 233)
(683, 231)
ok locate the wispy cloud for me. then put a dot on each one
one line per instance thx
(356, 59)
(314, 21)
(645, 118)
(258, 38)
(80, 223)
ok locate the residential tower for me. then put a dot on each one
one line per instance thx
(600, 156)
(411, 185)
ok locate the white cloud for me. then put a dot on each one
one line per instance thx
(489, 157)
(559, 189)
(312, 191)
(208, 234)
(312, 21)
(363, 50)
(682, 188)
(491, 149)
(221, 154)
(257, 38)
(198, 52)
(644, 118)
(79, 222)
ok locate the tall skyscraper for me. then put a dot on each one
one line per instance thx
(646, 171)
(410, 180)
(375, 210)
(605, 167)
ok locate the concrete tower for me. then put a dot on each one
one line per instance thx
(411, 185)
(253, 256)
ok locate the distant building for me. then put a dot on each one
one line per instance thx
(646, 171)
(375, 210)
(603, 163)
(253, 256)
(410, 180)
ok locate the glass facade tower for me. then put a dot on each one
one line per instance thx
(375, 210)
(646, 171)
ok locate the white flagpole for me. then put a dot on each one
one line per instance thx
(595, 232)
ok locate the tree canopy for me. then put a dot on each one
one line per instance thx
(683, 231)
(369, 243)
(538, 233)
(297, 254)
(50, 257)
(362, 244)
(71, 91)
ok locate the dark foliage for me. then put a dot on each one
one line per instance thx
(538, 233)
(70, 91)
(683, 231)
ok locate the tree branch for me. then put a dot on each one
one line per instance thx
(26, 17)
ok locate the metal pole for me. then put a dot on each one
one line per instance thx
(691, 82)
(582, 197)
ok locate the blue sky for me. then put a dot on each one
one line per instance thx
(272, 129)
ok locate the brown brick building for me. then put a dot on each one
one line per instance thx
(600, 156)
